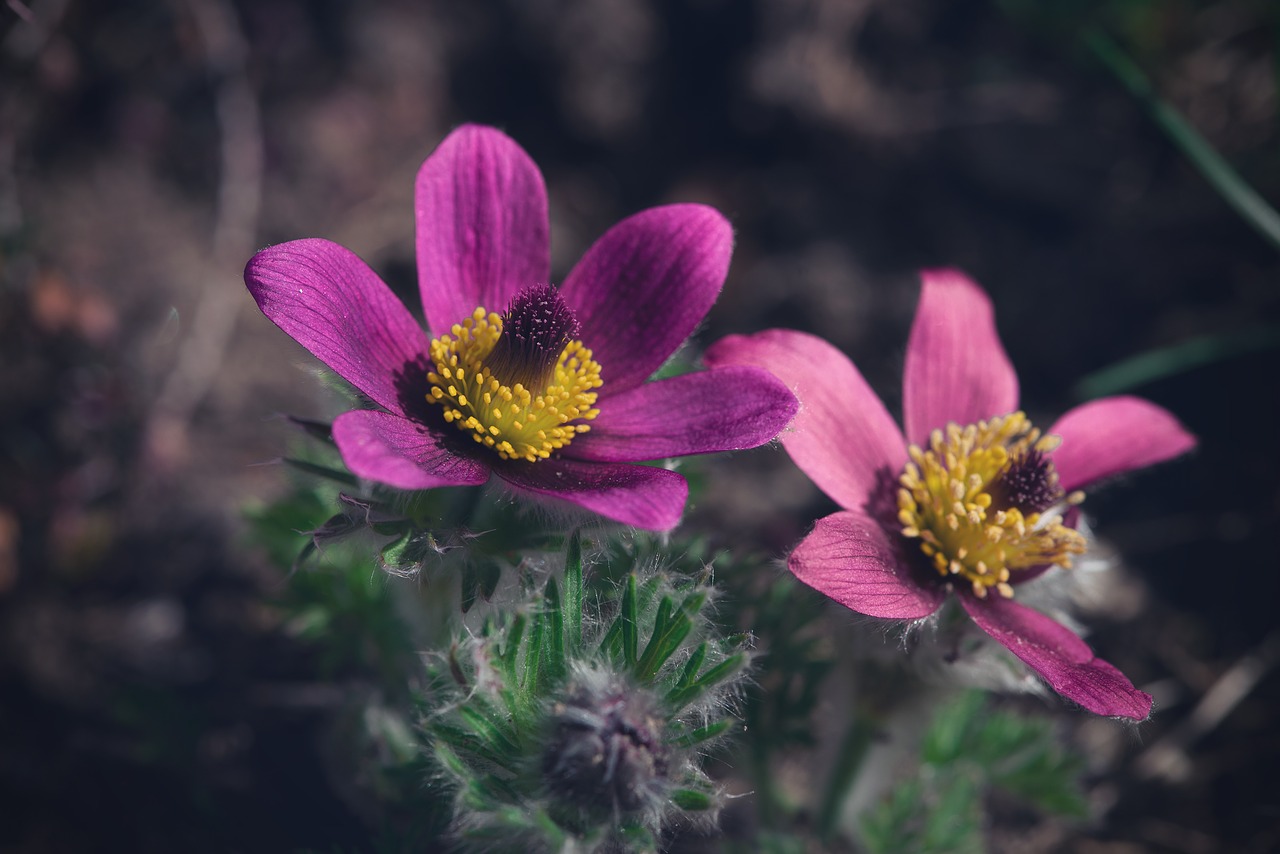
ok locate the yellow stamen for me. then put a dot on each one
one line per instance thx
(950, 495)
(518, 423)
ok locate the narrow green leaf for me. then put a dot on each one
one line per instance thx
(490, 733)
(555, 659)
(345, 478)
(463, 741)
(853, 749)
(1211, 165)
(531, 665)
(714, 676)
(705, 733)
(512, 647)
(662, 646)
(689, 672)
(573, 595)
(630, 619)
(692, 800)
(1128, 374)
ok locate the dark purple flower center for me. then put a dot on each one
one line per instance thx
(521, 384)
(536, 328)
(1028, 483)
(606, 752)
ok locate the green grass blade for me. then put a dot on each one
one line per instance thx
(1215, 169)
(573, 595)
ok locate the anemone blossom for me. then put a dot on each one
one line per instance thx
(551, 395)
(973, 499)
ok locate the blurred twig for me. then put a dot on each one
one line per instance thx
(1168, 757)
(238, 204)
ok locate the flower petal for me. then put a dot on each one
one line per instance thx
(329, 301)
(851, 559)
(645, 284)
(1064, 660)
(1115, 435)
(723, 409)
(842, 437)
(483, 233)
(642, 496)
(398, 452)
(956, 368)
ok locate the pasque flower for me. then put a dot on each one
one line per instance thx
(973, 499)
(543, 386)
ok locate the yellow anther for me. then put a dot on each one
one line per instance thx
(947, 494)
(518, 423)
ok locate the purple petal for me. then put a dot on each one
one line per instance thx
(645, 284)
(1115, 435)
(1064, 660)
(956, 367)
(842, 437)
(483, 234)
(641, 496)
(851, 559)
(330, 302)
(401, 453)
(723, 409)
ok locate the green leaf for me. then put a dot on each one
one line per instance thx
(573, 594)
(948, 737)
(714, 676)
(1211, 165)
(630, 620)
(555, 659)
(705, 733)
(665, 641)
(342, 477)
(692, 800)
(494, 737)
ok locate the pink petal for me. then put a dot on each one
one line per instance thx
(1115, 435)
(642, 496)
(1064, 660)
(330, 302)
(956, 367)
(851, 559)
(401, 453)
(483, 234)
(842, 437)
(723, 409)
(644, 286)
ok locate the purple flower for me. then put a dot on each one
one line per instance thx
(551, 394)
(973, 499)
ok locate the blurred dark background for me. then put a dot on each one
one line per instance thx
(150, 697)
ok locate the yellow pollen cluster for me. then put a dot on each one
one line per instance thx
(518, 423)
(945, 501)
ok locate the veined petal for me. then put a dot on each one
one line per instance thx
(398, 452)
(1065, 661)
(853, 560)
(722, 409)
(842, 438)
(482, 227)
(956, 368)
(642, 496)
(329, 301)
(645, 284)
(1112, 436)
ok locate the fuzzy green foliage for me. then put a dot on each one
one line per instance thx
(578, 719)
(968, 752)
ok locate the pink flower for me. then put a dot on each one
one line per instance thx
(972, 500)
(551, 395)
